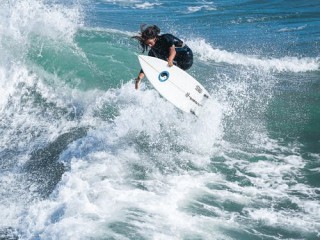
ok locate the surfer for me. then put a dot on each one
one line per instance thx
(166, 47)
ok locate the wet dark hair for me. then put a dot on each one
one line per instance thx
(146, 33)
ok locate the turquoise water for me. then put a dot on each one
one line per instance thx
(83, 155)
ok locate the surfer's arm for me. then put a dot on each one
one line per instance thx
(139, 78)
(172, 54)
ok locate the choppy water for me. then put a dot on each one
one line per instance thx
(85, 156)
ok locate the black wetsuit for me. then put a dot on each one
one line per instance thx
(161, 49)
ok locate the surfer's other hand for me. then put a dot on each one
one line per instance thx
(170, 63)
(137, 83)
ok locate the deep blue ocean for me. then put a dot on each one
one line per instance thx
(83, 155)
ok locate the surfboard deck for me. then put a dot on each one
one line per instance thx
(174, 84)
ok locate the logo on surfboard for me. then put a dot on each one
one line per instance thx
(163, 76)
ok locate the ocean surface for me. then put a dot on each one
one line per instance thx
(83, 155)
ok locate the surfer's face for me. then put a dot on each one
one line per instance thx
(151, 42)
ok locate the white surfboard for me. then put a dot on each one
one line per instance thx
(174, 84)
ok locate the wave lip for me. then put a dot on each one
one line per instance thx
(289, 64)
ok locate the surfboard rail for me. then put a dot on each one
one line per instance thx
(174, 84)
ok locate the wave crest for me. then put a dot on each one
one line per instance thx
(291, 64)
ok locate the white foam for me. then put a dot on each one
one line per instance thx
(146, 5)
(21, 21)
(274, 197)
(288, 29)
(204, 7)
(35, 17)
(26, 125)
(91, 197)
(207, 52)
(288, 220)
(100, 189)
(136, 4)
